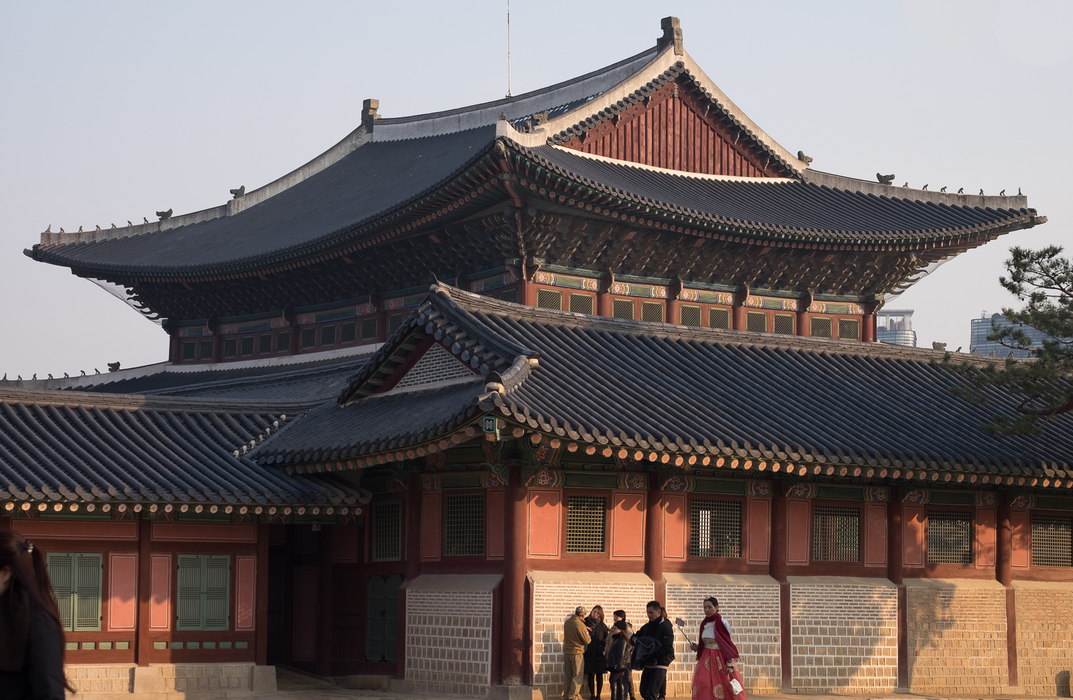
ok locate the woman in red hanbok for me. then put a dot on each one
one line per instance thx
(717, 658)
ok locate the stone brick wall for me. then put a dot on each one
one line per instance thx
(1044, 637)
(956, 633)
(844, 634)
(449, 641)
(750, 604)
(556, 594)
(102, 678)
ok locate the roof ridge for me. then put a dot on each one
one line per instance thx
(147, 401)
(853, 184)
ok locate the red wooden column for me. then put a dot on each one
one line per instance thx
(5, 523)
(778, 572)
(738, 321)
(413, 566)
(143, 646)
(802, 324)
(896, 573)
(512, 631)
(261, 600)
(327, 611)
(1004, 575)
(654, 537)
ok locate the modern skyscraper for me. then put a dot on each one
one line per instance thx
(895, 326)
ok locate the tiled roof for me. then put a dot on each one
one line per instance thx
(691, 391)
(782, 208)
(95, 447)
(372, 180)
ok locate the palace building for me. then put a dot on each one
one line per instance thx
(600, 343)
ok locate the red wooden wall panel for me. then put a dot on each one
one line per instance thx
(203, 532)
(758, 533)
(160, 590)
(346, 544)
(986, 537)
(304, 611)
(431, 525)
(798, 527)
(545, 523)
(1021, 530)
(245, 592)
(628, 524)
(496, 526)
(913, 535)
(875, 534)
(83, 530)
(675, 526)
(122, 591)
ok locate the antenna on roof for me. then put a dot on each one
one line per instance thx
(508, 50)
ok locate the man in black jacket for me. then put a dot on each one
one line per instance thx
(660, 631)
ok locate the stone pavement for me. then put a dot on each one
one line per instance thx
(296, 686)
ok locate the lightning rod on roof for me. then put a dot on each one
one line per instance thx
(508, 50)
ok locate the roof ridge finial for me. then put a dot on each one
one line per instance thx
(672, 33)
(369, 113)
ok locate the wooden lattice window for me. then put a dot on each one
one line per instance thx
(368, 329)
(189, 350)
(264, 344)
(622, 308)
(327, 335)
(949, 534)
(283, 341)
(784, 324)
(76, 581)
(690, 316)
(652, 312)
(849, 328)
(247, 346)
(393, 323)
(586, 517)
(1052, 540)
(715, 529)
(548, 299)
(230, 347)
(756, 322)
(206, 350)
(836, 533)
(463, 524)
(581, 304)
(719, 318)
(820, 328)
(387, 531)
(347, 332)
(510, 295)
(204, 585)
(308, 338)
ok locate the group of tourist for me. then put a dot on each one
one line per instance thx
(593, 648)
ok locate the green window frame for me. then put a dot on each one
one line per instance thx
(76, 581)
(204, 593)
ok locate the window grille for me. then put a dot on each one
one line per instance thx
(387, 531)
(368, 329)
(757, 323)
(188, 350)
(76, 582)
(393, 323)
(850, 329)
(949, 535)
(820, 328)
(581, 304)
(264, 344)
(230, 347)
(347, 332)
(463, 524)
(585, 518)
(719, 318)
(690, 316)
(309, 338)
(510, 295)
(836, 533)
(204, 585)
(436, 365)
(1052, 540)
(784, 324)
(247, 346)
(283, 341)
(622, 308)
(206, 350)
(327, 336)
(547, 299)
(652, 312)
(715, 529)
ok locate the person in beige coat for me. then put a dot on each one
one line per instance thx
(575, 637)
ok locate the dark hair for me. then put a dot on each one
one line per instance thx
(29, 585)
(659, 605)
(594, 609)
(620, 613)
(712, 600)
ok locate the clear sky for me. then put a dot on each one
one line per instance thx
(114, 110)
